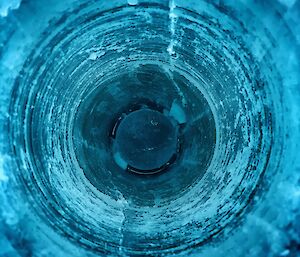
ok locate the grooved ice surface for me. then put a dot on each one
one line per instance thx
(233, 69)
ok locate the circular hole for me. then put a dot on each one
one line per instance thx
(145, 140)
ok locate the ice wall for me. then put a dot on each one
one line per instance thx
(231, 68)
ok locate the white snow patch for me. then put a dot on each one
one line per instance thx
(6, 6)
(177, 113)
(170, 48)
(132, 2)
(95, 55)
(173, 20)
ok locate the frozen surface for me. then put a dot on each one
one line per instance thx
(227, 71)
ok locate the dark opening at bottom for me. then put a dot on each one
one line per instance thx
(145, 141)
